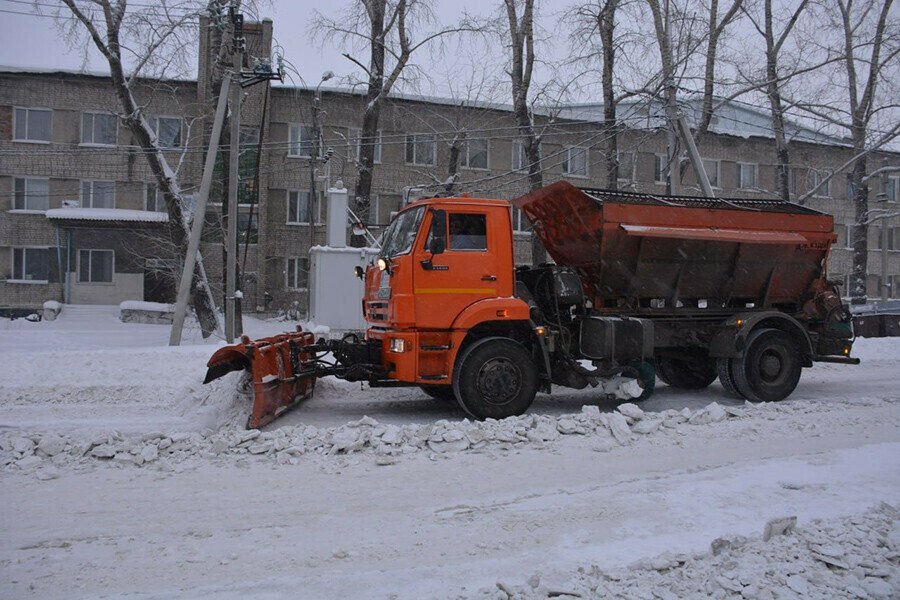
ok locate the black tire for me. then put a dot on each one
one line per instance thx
(439, 392)
(688, 374)
(725, 370)
(770, 368)
(495, 378)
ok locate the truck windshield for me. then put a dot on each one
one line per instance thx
(400, 235)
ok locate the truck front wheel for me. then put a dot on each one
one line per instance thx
(770, 368)
(495, 378)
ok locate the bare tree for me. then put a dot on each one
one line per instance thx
(776, 77)
(382, 29)
(865, 35)
(715, 28)
(466, 129)
(156, 32)
(684, 39)
(591, 23)
(520, 40)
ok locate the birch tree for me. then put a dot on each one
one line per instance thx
(154, 36)
(864, 35)
(520, 41)
(594, 33)
(776, 28)
(381, 37)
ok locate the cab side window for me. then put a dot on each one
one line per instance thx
(467, 231)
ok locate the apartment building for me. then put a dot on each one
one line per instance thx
(81, 221)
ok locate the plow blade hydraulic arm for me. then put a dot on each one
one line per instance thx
(283, 372)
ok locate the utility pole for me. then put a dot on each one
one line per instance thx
(230, 93)
(187, 272)
(237, 54)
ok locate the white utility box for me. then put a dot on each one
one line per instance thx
(335, 291)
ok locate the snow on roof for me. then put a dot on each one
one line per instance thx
(26, 70)
(107, 214)
(730, 117)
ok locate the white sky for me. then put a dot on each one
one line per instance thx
(32, 41)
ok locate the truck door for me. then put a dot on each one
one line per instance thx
(467, 271)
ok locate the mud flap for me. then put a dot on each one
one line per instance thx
(283, 373)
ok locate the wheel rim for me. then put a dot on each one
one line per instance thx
(772, 365)
(499, 380)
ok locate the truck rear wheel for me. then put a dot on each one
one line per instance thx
(725, 369)
(495, 378)
(770, 368)
(688, 374)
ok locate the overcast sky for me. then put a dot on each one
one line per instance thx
(31, 40)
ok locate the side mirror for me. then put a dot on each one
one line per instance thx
(438, 231)
(438, 245)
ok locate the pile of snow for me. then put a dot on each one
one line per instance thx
(578, 498)
(851, 557)
(225, 404)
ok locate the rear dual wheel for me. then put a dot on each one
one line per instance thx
(688, 374)
(770, 368)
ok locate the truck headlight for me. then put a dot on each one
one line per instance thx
(398, 345)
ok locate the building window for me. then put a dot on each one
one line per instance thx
(98, 194)
(31, 264)
(301, 141)
(297, 273)
(660, 161)
(167, 130)
(575, 161)
(374, 210)
(892, 192)
(625, 166)
(420, 149)
(893, 239)
(153, 199)
(247, 228)
(95, 266)
(31, 193)
(848, 230)
(355, 142)
(823, 177)
(298, 207)
(520, 160)
(32, 124)
(792, 181)
(474, 154)
(520, 222)
(712, 171)
(98, 129)
(746, 176)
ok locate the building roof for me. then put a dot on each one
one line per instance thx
(729, 118)
(107, 214)
(732, 118)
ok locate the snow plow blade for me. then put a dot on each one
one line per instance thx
(283, 372)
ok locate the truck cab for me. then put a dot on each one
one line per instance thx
(445, 278)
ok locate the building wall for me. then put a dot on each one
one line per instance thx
(67, 163)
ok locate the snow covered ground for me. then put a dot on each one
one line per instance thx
(124, 477)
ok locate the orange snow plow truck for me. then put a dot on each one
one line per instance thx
(680, 288)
